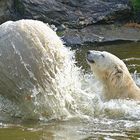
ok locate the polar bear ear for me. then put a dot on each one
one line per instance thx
(118, 72)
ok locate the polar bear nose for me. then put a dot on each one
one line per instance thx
(89, 57)
(88, 52)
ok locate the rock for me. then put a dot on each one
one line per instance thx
(78, 19)
(101, 34)
(74, 13)
(137, 17)
(6, 10)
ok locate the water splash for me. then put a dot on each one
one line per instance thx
(40, 79)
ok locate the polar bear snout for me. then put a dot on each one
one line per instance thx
(90, 57)
(88, 52)
(94, 56)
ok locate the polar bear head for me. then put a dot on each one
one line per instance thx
(113, 74)
(105, 65)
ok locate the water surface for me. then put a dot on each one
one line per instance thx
(116, 119)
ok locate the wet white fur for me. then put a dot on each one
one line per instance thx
(114, 75)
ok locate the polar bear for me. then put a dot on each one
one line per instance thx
(114, 75)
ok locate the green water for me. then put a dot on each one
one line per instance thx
(81, 129)
(123, 51)
(73, 129)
